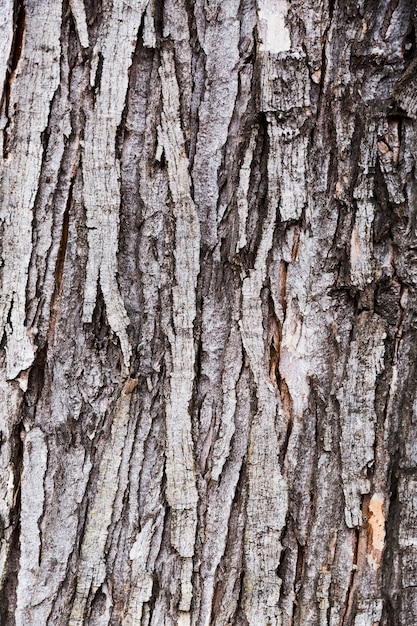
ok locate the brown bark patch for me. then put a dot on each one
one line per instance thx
(376, 530)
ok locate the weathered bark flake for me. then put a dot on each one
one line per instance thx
(78, 11)
(358, 418)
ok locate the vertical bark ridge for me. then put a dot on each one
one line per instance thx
(181, 492)
(267, 489)
(91, 572)
(35, 81)
(35, 458)
(101, 168)
(214, 22)
(78, 12)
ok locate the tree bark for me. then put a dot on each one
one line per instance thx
(208, 313)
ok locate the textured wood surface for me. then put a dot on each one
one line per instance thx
(208, 319)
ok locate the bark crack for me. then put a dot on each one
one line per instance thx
(19, 24)
(59, 269)
(8, 583)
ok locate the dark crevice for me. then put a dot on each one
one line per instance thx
(98, 602)
(44, 136)
(257, 196)
(298, 574)
(8, 324)
(239, 614)
(19, 24)
(331, 9)
(121, 129)
(223, 569)
(36, 383)
(59, 268)
(156, 592)
(241, 125)
(283, 285)
(97, 76)
(300, 564)
(9, 587)
(322, 100)
(197, 399)
(390, 592)
(158, 11)
(384, 215)
(283, 564)
(274, 340)
(94, 11)
(287, 407)
(198, 71)
(275, 337)
(349, 608)
(392, 6)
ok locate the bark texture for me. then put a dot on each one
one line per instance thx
(208, 313)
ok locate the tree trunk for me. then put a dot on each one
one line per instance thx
(208, 313)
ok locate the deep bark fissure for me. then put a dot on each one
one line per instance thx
(10, 575)
(19, 20)
(59, 268)
(351, 590)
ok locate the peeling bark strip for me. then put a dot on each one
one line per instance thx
(78, 12)
(181, 486)
(35, 80)
(267, 489)
(208, 313)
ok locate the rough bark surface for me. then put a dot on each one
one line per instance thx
(208, 313)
